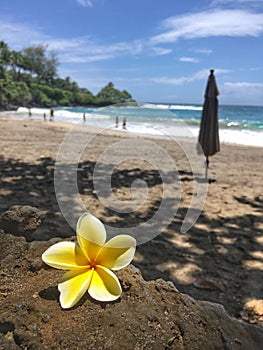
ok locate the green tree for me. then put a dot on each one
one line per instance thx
(4, 54)
(29, 77)
(3, 94)
(109, 95)
(4, 58)
(16, 61)
(38, 62)
(22, 93)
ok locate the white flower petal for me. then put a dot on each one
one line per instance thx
(91, 235)
(65, 256)
(104, 285)
(91, 229)
(73, 286)
(117, 252)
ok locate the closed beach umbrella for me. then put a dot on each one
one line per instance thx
(208, 134)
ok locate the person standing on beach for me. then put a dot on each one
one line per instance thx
(84, 117)
(124, 123)
(117, 122)
(51, 115)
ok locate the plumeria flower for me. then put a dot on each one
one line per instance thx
(90, 262)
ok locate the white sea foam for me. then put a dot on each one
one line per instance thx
(186, 107)
(35, 111)
(139, 129)
(174, 107)
(241, 137)
(156, 127)
(154, 106)
(97, 116)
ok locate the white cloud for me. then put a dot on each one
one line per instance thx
(85, 50)
(242, 93)
(250, 3)
(245, 85)
(90, 3)
(171, 81)
(66, 44)
(210, 23)
(85, 3)
(200, 75)
(189, 59)
(19, 35)
(204, 51)
(69, 58)
(160, 51)
(78, 49)
(181, 80)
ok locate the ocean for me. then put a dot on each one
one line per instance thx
(237, 124)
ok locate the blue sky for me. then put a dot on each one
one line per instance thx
(158, 50)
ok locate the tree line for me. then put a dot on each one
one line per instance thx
(29, 78)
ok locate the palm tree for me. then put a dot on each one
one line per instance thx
(16, 61)
(4, 54)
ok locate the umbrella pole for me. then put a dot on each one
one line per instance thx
(207, 166)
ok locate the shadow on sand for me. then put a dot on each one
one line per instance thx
(222, 250)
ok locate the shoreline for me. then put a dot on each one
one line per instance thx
(156, 133)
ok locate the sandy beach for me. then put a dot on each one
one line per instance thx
(219, 259)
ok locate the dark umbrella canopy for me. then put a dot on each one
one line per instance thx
(208, 134)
